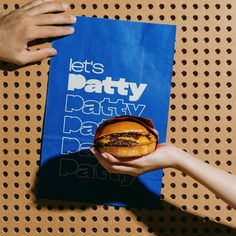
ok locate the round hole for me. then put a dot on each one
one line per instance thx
(83, 6)
(128, 6)
(94, 6)
(139, 6)
(150, 6)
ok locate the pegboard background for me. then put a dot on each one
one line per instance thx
(202, 121)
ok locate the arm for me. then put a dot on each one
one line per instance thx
(34, 20)
(218, 181)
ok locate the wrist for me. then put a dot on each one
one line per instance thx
(177, 158)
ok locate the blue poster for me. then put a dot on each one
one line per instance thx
(107, 68)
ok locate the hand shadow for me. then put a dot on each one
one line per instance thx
(80, 177)
(80, 182)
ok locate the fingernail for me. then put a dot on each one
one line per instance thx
(104, 155)
(53, 52)
(71, 30)
(92, 150)
(73, 19)
(65, 5)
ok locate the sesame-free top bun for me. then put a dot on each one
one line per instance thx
(126, 137)
(123, 127)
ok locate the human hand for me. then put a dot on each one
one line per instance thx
(163, 157)
(34, 20)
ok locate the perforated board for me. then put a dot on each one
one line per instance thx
(201, 120)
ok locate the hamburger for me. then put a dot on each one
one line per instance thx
(126, 136)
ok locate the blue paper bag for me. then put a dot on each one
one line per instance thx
(107, 68)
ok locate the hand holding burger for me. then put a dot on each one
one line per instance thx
(220, 182)
(129, 145)
(162, 157)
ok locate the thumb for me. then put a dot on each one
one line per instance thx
(38, 55)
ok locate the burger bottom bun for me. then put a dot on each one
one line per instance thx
(128, 152)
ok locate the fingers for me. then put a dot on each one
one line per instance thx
(34, 3)
(51, 31)
(34, 56)
(47, 7)
(54, 19)
(103, 162)
(111, 159)
(113, 165)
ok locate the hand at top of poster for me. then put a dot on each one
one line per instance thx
(220, 182)
(35, 20)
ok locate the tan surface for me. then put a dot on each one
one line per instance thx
(202, 121)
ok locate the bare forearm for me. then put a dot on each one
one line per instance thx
(218, 181)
